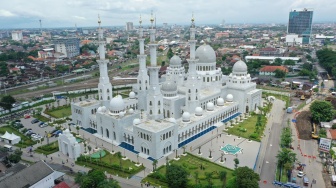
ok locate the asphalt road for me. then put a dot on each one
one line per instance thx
(270, 143)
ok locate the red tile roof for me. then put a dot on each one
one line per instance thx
(62, 185)
(333, 134)
(273, 68)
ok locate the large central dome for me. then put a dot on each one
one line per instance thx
(205, 54)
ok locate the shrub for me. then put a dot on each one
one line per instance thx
(253, 136)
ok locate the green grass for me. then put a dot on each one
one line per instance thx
(48, 149)
(280, 97)
(25, 141)
(111, 164)
(249, 125)
(59, 112)
(41, 118)
(192, 164)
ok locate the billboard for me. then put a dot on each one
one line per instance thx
(324, 144)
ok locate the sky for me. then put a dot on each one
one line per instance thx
(83, 13)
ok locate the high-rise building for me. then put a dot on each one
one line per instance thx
(17, 35)
(300, 23)
(68, 46)
(129, 26)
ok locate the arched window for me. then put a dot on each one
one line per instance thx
(169, 133)
(189, 91)
(150, 103)
(107, 133)
(150, 112)
(159, 103)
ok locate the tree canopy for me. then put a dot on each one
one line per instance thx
(321, 111)
(95, 179)
(176, 176)
(246, 178)
(280, 73)
(327, 58)
(7, 102)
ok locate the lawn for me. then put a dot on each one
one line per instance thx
(249, 125)
(59, 112)
(192, 164)
(48, 149)
(41, 118)
(25, 141)
(111, 164)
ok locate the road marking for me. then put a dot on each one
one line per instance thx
(267, 162)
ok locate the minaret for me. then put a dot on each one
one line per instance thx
(155, 99)
(192, 83)
(104, 85)
(143, 78)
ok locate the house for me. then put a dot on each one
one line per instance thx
(38, 175)
(270, 70)
(331, 134)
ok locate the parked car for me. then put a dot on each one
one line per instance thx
(17, 121)
(30, 133)
(26, 116)
(57, 133)
(300, 174)
(34, 121)
(43, 125)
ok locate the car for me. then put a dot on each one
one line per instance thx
(30, 133)
(26, 116)
(300, 174)
(17, 121)
(34, 121)
(43, 125)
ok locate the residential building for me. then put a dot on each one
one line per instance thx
(17, 35)
(270, 70)
(68, 46)
(129, 26)
(300, 23)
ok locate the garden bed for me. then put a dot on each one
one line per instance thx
(48, 148)
(192, 164)
(59, 112)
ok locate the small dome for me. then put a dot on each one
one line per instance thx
(169, 86)
(136, 121)
(175, 60)
(220, 102)
(229, 98)
(117, 104)
(198, 111)
(131, 111)
(205, 54)
(210, 106)
(121, 114)
(131, 95)
(186, 117)
(101, 109)
(239, 67)
(172, 120)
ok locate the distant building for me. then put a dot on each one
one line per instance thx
(270, 70)
(17, 35)
(222, 34)
(300, 23)
(68, 46)
(292, 39)
(129, 26)
(269, 51)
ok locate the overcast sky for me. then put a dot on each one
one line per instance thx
(67, 13)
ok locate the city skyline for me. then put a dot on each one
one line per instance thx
(67, 13)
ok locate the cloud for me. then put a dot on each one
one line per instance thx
(6, 13)
(79, 17)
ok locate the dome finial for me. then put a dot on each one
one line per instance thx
(152, 19)
(99, 21)
(192, 20)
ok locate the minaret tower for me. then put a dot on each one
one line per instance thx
(154, 97)
(192, 84)
(104, 85)
(143, 78)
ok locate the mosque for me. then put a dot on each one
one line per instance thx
(158, 118)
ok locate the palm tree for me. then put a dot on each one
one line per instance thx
(285, 156)
(236, 161)
(222, 176)
(154, 165)
(77, 128)
(184, 148)
(199, 150)
(138, 158)
(119, 157)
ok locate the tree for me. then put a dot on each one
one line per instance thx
(285, 156)
(15, 157)
(236, 161)
(321, 111)
(170, 53)
(322, 133)
(77, 128)
(154, 165)
(246, 178)
(279, 73)
(120, 158)
(289, 62)
(176, 176)
(277, 61)
(95, 179)
(7, 102)
(222, 176)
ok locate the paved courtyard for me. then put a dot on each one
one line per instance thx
(247, 155)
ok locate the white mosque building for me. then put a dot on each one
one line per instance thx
(158, 118)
